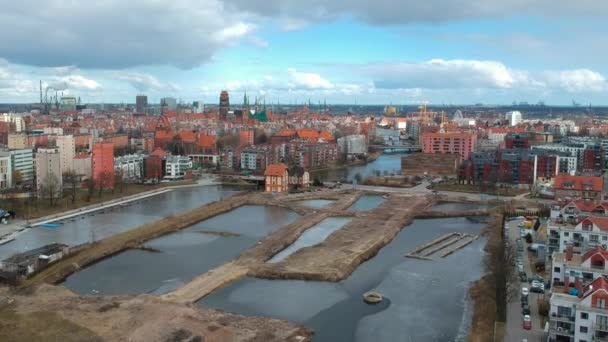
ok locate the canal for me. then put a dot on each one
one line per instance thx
(170, 261)
(426, 300)
(390, 163)
(101, 224)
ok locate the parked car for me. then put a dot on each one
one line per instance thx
(536, 283)
(537, 278)
(525, 310)
(524, 291)
(524, 301)
(538, 289)
(527, 322)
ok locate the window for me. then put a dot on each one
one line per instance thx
(583, 330)
(556, 269)
(566, 234)
(584, 315)
(594, 238)
(601, 303)
(604, 238)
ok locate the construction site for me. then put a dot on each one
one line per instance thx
(317, 238)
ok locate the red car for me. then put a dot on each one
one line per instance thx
(527, 322)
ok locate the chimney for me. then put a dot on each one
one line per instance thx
(569, 252)
(578, 284)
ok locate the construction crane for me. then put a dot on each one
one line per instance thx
(45, 101)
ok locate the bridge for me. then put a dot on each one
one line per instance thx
(398, 148)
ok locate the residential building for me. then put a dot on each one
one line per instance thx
(353, 145)
(276, 178)
(6, 170)
(514, 118)
(461, 144)
(255, 159)
(102, 165)
(176, 167)
(583, 235)
(23, 162)
(141, 103)
(437, 165)
(298, 177)
(246, 138)
(571, 270)
(49, 180)
(129, 167)
(169, 102)
(67, 150)
(153, 167)
(585, 187)
(15, 120)
(82, 166)
(582, 317)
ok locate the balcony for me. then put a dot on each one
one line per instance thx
(562, 318)
(601, 329)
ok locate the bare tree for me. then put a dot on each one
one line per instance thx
(90, 184)
(51, 189)
(73, 181)
(498, 264)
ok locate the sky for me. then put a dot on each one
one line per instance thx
(288, 51)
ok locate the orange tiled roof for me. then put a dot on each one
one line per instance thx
(275, 170)
(159, 152)
(578, 182)
(206, 141)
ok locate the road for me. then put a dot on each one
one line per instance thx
(421, 189)
(515, 331)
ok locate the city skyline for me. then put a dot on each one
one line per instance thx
(404, 53)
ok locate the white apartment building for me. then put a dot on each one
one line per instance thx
(176, 167)
(582, 318)
(589, 233)
(130, 166)
(514, 117)
(6, 171)
(15, 119)
(48, 171)
(67, 150)
(574, 270)
(23, 161)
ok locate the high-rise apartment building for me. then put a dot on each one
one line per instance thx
(449, 143)
(48, 172)
(102, 165)
(67, 150)
(141, 103)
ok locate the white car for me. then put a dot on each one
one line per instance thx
(536, 283)
(525, 291)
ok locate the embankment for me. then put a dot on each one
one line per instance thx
(132, 239)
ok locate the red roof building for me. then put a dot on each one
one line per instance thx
(277, 178)
(579, 187)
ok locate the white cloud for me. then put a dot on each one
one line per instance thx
(474, 74)
(118, 33)
(307, 80)
(139, 81)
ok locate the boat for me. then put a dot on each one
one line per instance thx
(50, 225)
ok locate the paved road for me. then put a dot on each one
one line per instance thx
(515, 331)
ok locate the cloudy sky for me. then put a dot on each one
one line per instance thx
(374, 52)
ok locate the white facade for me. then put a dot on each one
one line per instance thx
(15, 119)
(23, 161)
(579, 319)
(48, 172)
(67, 150)
(514, 117)
(53, 130)
(353, 145)
(176, 167)
(6, 171)
(589, 233)
(130, 166)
